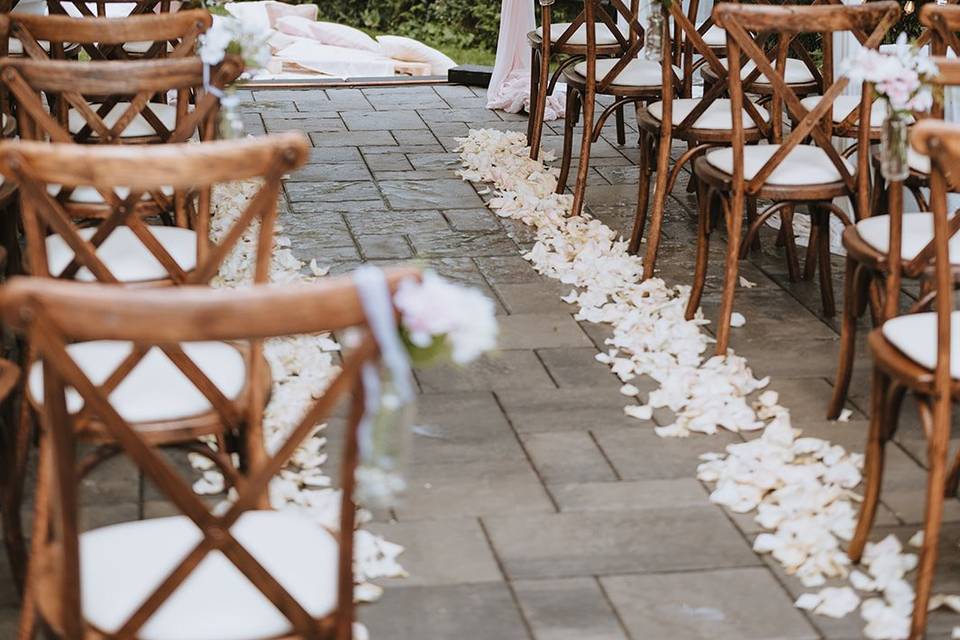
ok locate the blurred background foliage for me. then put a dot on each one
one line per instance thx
(467, 30)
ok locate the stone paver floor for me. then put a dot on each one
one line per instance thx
(539, 511)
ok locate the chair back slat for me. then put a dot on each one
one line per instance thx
(595, 13)
(48, 313)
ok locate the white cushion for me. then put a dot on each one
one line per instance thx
(138, 127)
(335, 61)
(252, 14)
(918, 161)
(717, 116)
(410, 50)
(915, 335)
(917, 232)
(85, 194)
(579, 37)
(804, 165)
(156, 390)
(329, 33)
(125, 256)
(843, 106)
(638, 72)
(122, 564)
(715, 36)
(796, 72)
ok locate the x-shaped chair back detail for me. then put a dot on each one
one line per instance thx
(785, 24)
(55, 314)
(605, 17)
(103, 38)
(687, 34)
(71, 85)
(189, 170)
(593, 12)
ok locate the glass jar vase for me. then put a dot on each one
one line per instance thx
(894, 139)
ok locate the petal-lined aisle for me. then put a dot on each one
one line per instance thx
(801, 488)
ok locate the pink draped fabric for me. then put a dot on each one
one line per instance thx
(510, 85)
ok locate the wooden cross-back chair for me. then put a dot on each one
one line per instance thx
(125, 250)
(243, 571)
(567, 45)
(125, 117)
(118, 9)
(703, 123)
(884, 249)
(913, 353)
(627, 78)
(787, 172)
(123, 112)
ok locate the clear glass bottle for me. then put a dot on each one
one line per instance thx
(230, 123)
(894, 139)
(653, 38)
(384, 448)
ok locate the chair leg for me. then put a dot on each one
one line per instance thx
(789, 242)
(826, 267)
(589, 104)
(659, 201)
(541, 69)
(41, 521)
(534, 95)
(643, 195)
(853, 288)
(938, 426)
(755, 245)
(13, 494)
(621, 126)
(703, 250)
(873, 465)
(569, 122)
(735, 215)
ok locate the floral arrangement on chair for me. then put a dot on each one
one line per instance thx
(439, 320)
(230, 36)
(901, 75)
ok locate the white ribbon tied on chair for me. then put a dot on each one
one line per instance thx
(389, 399)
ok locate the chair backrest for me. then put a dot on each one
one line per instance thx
(180, 174)
(594, 14)
(107, 8)
(72, 86)
(786, 24)
(162, 35)
(600, 13)
(941, 141)
(687, 39)
(166, 319)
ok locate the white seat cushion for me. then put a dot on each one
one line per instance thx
(122, 564)
(804, 165)
(715, 36)
(915, 335)
(579, 37)
(796, 72)
(717, 116)
(917, 161)
(638, 72)
(138, 127)
(156, 390)
(124, 254)
(85, 194)
(843, 106)
(917, 234)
